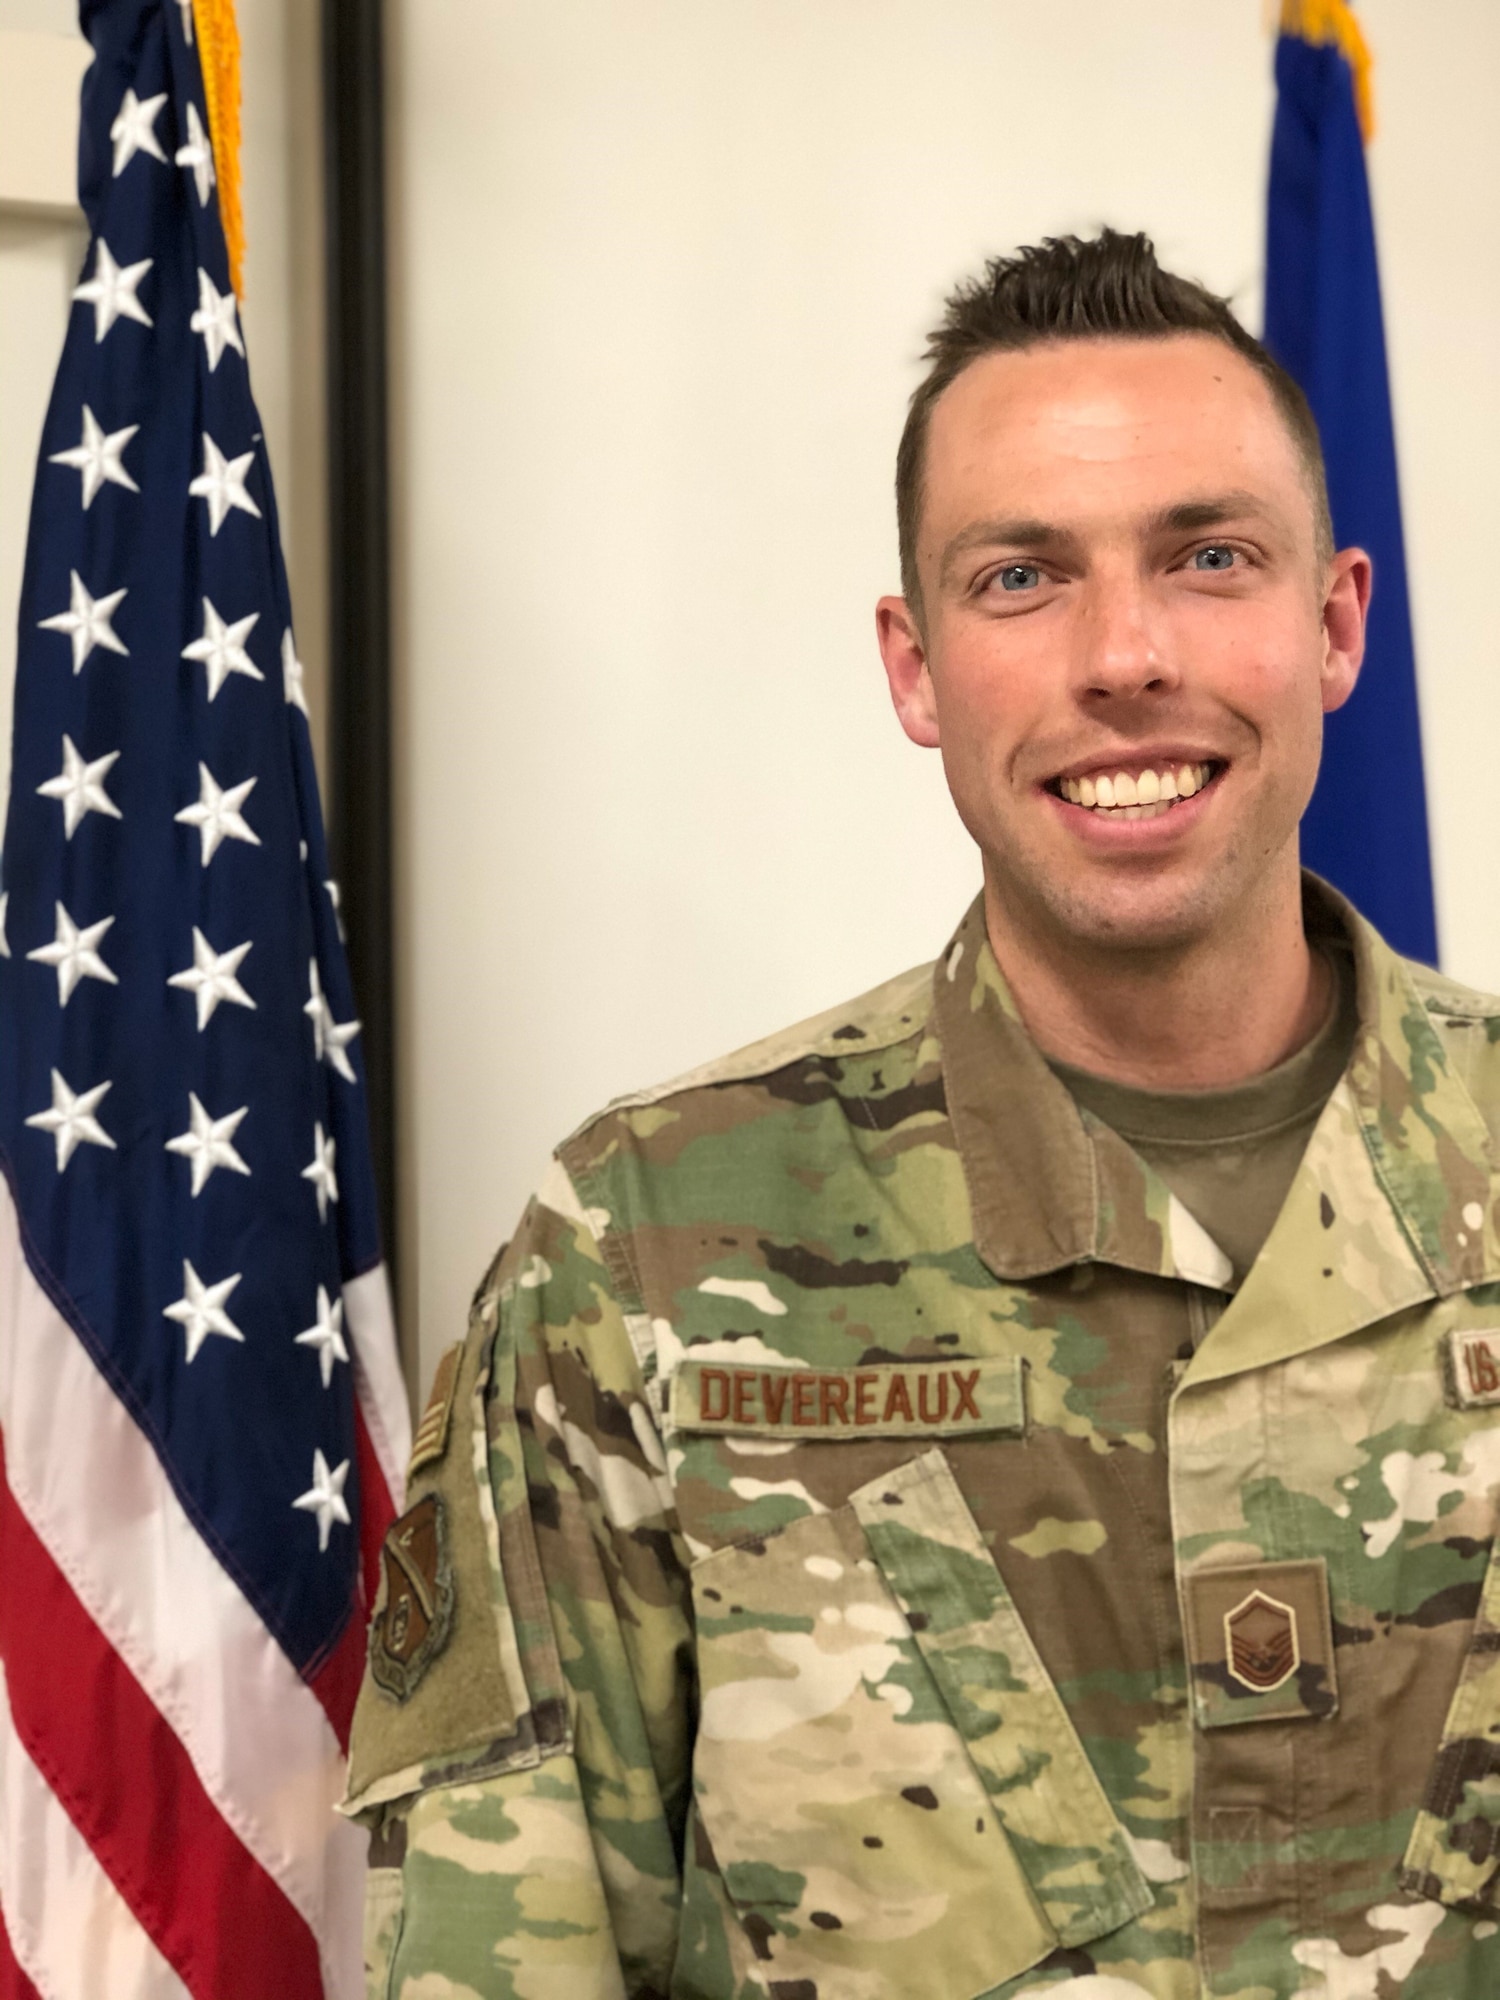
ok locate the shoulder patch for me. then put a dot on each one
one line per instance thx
(430, 1439)
(444, 1698)
(412, 1624)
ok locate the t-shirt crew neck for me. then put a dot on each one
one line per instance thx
(1230, 1156)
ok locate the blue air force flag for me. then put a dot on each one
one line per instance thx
(1366, 828)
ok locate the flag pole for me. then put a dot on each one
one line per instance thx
(359, 720)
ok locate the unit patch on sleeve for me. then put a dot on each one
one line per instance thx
(412, 1620)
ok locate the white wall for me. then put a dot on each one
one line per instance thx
(661, 276)
(1438, 93)
(41, 243)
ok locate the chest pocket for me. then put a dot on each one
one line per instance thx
(891, 1785)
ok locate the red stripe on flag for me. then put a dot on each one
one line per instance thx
(14, 1985)
(336, 1682)
(376, 1512)
(129, 1787)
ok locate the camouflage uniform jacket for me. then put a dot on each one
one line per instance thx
(861, 1550)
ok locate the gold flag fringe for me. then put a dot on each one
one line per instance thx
(219, 57)
(1335, 21)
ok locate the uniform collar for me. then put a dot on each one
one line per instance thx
(1050, 1185)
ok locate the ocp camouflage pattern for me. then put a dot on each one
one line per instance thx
(888, 1562)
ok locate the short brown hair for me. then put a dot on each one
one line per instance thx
(1107, 286)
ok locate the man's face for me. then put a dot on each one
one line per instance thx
(1129, 638)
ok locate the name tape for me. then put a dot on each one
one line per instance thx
(1476, 1366)
(900, 1399)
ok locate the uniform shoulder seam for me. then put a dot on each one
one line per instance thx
(1441, 995)
(876, 1020)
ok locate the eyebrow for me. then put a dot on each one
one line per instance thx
(1015, 533)
(1210, 512)
(1030, 532)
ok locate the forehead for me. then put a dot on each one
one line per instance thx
(1103, 426)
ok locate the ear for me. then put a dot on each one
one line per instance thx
(904, 653)
(1346, 606)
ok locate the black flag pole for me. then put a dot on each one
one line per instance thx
(359, 651)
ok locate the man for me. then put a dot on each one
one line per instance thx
(993, 1489)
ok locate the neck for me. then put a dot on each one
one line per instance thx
(1204, 1015)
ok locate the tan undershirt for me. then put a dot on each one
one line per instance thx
(1230, 1155)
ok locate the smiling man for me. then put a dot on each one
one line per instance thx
(992, 1490)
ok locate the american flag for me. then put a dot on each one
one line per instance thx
(202, 1425)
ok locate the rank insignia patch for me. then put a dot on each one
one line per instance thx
(1260, 1642)
(412, 1622)
(430, 1439)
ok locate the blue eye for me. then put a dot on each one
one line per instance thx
(1214, 558)
(1019, 576)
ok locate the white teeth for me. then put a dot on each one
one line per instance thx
(1145, 795)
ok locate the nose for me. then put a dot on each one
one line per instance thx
(1123, 653)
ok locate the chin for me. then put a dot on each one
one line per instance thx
(1122, 928)
(1125, 917)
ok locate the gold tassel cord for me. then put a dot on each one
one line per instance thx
(1323, 21)
(219, 58)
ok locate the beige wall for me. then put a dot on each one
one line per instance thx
(283, 309)
(661, 275)
(41, 244)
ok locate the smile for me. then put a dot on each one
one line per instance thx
(1143, 793)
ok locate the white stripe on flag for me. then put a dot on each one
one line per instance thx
(377, 1376)
(96, 1496)
(73, 1934)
